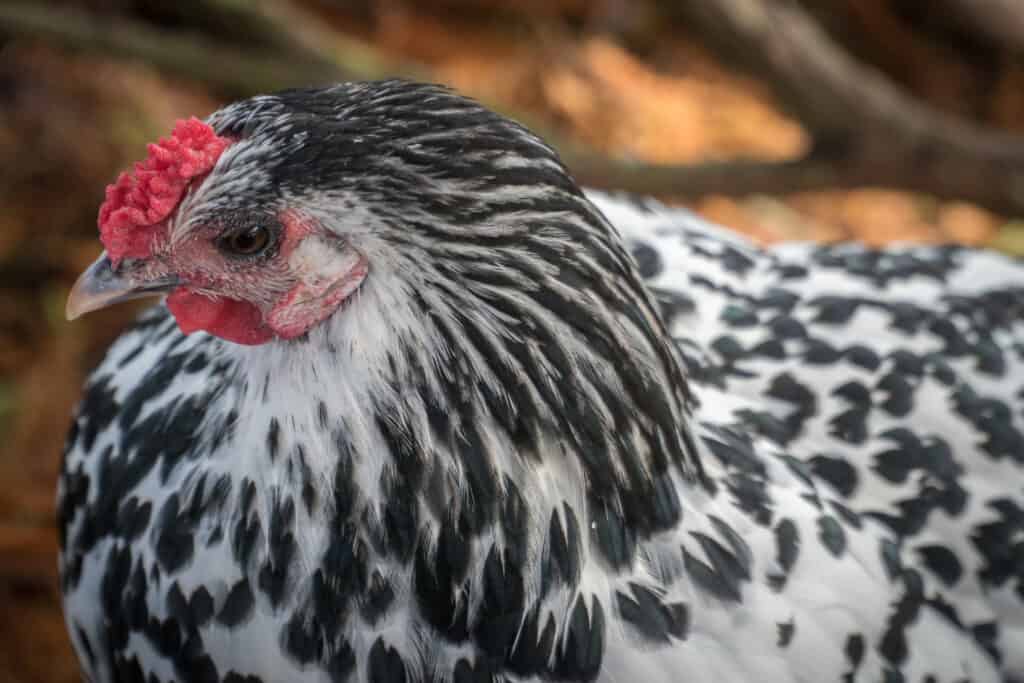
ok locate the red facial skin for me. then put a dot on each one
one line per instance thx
(311, 298)
(133, 224)
(232, 319)
(236, 321)
(305, 306)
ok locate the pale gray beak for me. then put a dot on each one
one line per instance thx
(102, 285)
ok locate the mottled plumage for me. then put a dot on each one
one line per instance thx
(527, 448)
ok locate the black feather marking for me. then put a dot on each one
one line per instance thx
(651, 616)
(893, 645)
(942, 562)
(580, 657)
(133, 518)
(379, 598)
(647, 260)
(890, 552)
(341, 663)
(200, 606)
(850, 425)
(247, 529)
(85, 645)
(478, 672)
(854, 650)
(532, 651)
(614, 538)
(820, 352)
(787, 544)
(854, 392)
(502, 609)
(997, 542)
(900, 400)
(238, 605)
(302, 639)
(787, 548)
(342, 576)
(862, 356)
(672, 305)
(175, 543)
(735, 315)
(116, 574)
(385, 664)
(787, 327)
(281, 547)
(740, 550)
(438, 578)
(786, 631)
(834, 310)
(235, 677)
(832, 535)
(837, 471)
(563, 550)
(273, 438)
(723, 576)
(987, 635)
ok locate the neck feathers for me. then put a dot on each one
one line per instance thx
(462, 381)
(497, 436)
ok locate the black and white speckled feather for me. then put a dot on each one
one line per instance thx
(488, 466)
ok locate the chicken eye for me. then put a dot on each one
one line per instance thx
(247, 242)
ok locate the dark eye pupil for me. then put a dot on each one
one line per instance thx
(249, 241)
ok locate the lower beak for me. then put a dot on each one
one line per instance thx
(103, 285)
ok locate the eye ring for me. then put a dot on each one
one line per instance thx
(250, 241)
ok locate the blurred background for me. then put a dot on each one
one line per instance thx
(875, 120)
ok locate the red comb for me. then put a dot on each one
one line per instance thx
(143, 198)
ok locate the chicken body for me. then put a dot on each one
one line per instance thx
(796, 464)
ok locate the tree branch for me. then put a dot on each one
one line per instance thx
(868, 132)
(857, 116)
(228, 70)
(1000, 21)
(243, 23)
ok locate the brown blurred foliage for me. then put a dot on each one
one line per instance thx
(612, 75)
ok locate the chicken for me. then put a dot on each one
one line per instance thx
(418, 408)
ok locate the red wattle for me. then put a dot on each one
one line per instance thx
(236, 321)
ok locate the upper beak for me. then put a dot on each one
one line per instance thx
(103, 285)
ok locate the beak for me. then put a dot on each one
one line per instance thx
(103, 285)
